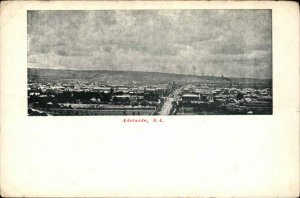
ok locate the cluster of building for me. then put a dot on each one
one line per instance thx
(119, 94)
(198, 97)
(233, 99)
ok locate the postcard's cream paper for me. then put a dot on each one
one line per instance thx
(201, 156)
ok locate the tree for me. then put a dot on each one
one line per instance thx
(239, 96)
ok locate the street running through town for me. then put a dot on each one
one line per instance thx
(168, 102)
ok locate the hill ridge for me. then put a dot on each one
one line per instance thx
(122, 75)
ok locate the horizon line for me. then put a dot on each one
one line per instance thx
(146, 72)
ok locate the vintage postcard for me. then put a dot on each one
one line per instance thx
(149, 99)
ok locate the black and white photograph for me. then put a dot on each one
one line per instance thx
(149, 62)
(149, 99)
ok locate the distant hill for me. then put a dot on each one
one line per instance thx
(124, 76)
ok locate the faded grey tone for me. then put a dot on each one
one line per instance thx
(234, 43)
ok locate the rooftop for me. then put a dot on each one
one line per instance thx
(190, 95)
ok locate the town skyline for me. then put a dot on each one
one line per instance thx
(171, 73)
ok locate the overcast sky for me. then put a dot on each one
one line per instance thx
(236, 43)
